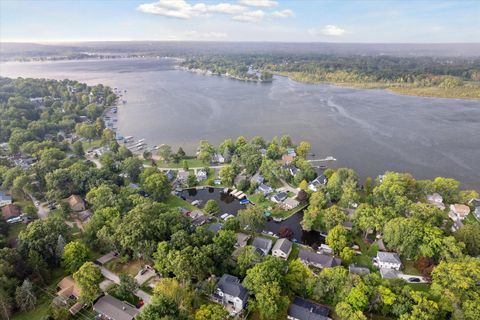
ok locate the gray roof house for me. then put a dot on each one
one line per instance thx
(389, 260)
(279, 197)
(317, 183)
(170, 174)
(318, 260)
(214, 227)
(263, 245)
(242, 240)
(231, 294)
(358, 269)
(301, 309)
(282, 248)
(265, 189)
(388, 273)
(111, 308)
(476, 213)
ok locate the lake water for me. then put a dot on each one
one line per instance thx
(370, 131)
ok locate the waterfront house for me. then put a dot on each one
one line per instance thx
(262, 245)
(201, 175)
(5, 198)
(458, 213)
(292, 170)
(108, 307)
(318, 260)
(290, 203)
(318, 183)
(76, 203)
(170, 174)
(242, 240)
(265, 189)
(182, 176)
(301, 309)
(218, 158)
(358, 269)
(436, 200)
(231, 294)
(279, 197)
(10, 211)
(287, 159)
(291, 152)
(282, 248)
(389, 260)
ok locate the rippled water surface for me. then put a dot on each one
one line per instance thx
(370, 131)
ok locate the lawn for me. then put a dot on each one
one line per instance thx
(409, 268)
(177, 202)
(14, 230)
(45, 297)
(92, 144)
(470, 219)
(131, 267)
(192, 163)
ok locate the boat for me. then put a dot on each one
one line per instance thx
(128, 139)
(244, 201)
(330, 158)
(141, 140)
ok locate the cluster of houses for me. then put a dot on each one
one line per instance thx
(10, 212)
(456, 212)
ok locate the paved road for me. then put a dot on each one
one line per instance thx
(114, 278)
(287, 187)
(42, 210)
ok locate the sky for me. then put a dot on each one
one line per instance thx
(380, 21)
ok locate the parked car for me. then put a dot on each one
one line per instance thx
(413, 279)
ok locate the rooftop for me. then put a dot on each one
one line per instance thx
(389, 257)
(283, 245)
(307, 310)
(231, 285)
(114, 308)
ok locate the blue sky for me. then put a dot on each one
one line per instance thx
(241, 20)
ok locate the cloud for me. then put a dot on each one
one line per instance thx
(329, 30)
(250, 16)
(259, 3)
(181, 9)
(283, 14)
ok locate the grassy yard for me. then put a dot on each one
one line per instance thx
(470, 219)
(177, 202)
(409, 268)
(92, 144)
(192, 163)
(131, 267)
(45, 298)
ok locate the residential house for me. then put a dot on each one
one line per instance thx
(282, 248)
(182, 176)
(262, 245)
(110, 308)
(291, 152)
(85, 216)
(458, 213)
(475, 203)
(318, 183)
(436, 200)
(170, 174)
(290, 203)
(358, 269)
(388, 273)
(265, 189)
(287, 159)
(389, 260)
(5, 199)
(279, 197)
(292, 170)
(10, 211)
(301, 309)
(76, 203)
(218, 158)
(231, 294)
(257, 178)
(214, 227)
(476, 213)
(242, 240)
(68, 289)
(318, 260)
(201, 175)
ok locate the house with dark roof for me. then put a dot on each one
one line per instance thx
(318, 183)
(262, 245)
(170, 174)
(242, 240)
(108, 307)
(358, 269)
(214, 227)
(318, 260)
(301, 309)
(231, 294)
(279, 197)
(282, 248)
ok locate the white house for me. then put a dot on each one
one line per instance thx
(436, 200)
(290, 203)
(262, 245)
(201, 175)
(218, 158)
(231, 294)
(282, 248)
(389, 260)
(461, 211)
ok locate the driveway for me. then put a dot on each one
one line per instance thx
(408, 276)
(42, 210)
(115, 279)
(105, 258)
(286, 187)
(142, 278)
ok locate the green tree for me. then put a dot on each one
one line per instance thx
(128, 285)
(270, 302)
(337, 238)
(247, 258)
(75, 254)
(251, 218)
(180, 153)
(211, 312)
(88, 277)
(303, 149)
(336, 182)
(449, 189)
(227, 175)
(165, 151)
(25, 296)
(101, 197)
(77, 148)
(298, 278)
(132, 166)
(205, 151)
(469, 234)
(160, 307)
(211, 206)
(333, 216)
(157, 186)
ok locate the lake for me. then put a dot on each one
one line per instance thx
(371, 131)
